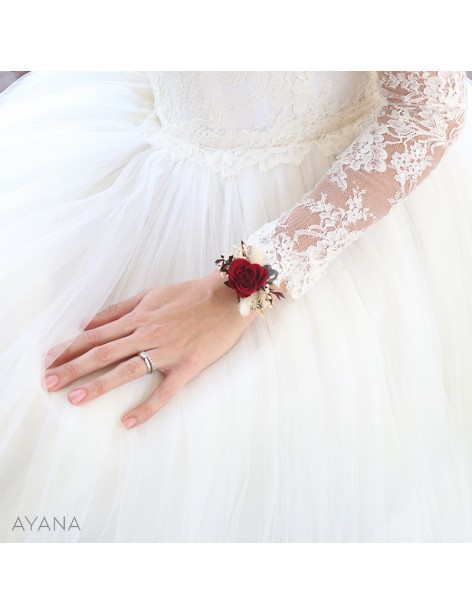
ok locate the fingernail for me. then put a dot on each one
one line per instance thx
(130, 422)
(51, 381)
(77, 395)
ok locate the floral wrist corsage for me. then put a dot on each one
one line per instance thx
(246, 273)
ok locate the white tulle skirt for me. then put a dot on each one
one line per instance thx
(346, 416)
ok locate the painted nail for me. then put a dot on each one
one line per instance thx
(77, 395)
(130, 422)
(51, 381)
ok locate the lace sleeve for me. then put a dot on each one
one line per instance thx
(420, 116)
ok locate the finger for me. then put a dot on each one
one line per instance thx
(164, 392)
(112, 313)
(89, 339)
(67, 350)
(124, 372)
(115, 311)
(55, 352)
(85, 341)
(95, 359)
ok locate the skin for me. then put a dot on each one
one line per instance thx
(184, 327)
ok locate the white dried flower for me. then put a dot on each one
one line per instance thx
(257, 255)
(245, 306)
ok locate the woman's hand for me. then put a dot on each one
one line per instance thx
(184, 327)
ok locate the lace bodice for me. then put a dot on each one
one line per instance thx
(228, 120)
(388, 130)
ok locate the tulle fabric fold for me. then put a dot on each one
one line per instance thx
(343, 417)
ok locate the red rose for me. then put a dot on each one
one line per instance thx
(245, 277)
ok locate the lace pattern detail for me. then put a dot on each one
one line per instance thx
(420, 116)
(229, 120)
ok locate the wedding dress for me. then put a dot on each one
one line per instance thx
(345, 414)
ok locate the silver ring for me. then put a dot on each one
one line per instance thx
(148, 361)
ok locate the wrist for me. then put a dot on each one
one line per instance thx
(251, 277)
(226, 297)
